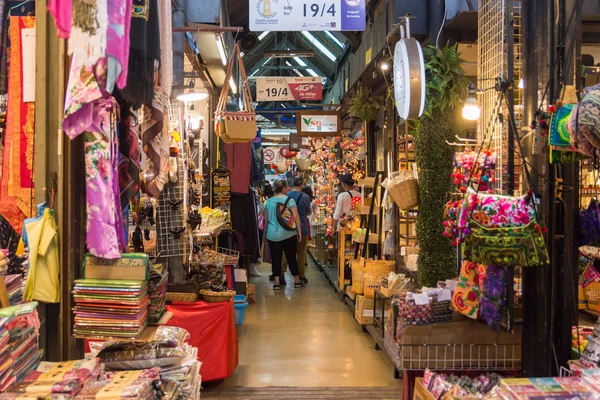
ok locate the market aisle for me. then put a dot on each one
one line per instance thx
(305, 338)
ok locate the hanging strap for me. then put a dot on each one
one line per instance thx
(244, 87)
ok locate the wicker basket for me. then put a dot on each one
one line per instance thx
(380, 267)
(592, 294)
(358, 275)
(216, 297)
(371, 284)
(405, 193)
(182, 297)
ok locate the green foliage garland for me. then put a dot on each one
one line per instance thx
(366, 106)
(445, 86)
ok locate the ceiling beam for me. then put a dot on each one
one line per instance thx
(354, 40)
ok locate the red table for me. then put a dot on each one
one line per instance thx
(212, 330)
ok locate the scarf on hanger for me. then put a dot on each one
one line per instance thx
(130, 155)
(16, 185)
(117, 46)
(155, 141)
(166, 46)
(89, 30)
(144, 52)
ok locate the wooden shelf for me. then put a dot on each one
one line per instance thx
(366, 182)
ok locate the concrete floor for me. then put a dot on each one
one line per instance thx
(305, 338)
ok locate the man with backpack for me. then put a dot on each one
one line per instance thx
(303, 204)
(343, 206)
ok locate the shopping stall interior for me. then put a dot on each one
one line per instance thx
(268, 199)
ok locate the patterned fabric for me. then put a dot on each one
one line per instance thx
(130, 155)
(506, 247)
(467, 295)
(497, 211)
(584, 124)
(89, 30)
(16, 187)
(91, 111)
(155, 141)
(559, 135)
(494, 296)
(117, 46)
(17, 8)
(589, 224)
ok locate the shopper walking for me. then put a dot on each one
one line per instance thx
(278, 234)
(343, 206)
(303, 205)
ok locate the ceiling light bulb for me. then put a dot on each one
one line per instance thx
(192, 95)
(471, 110)
(385, 66)
(522, 84)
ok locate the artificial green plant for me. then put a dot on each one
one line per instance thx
(366, 106)
(446, 84)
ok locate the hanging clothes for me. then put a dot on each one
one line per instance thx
(89, 31)
(13, 8)
(62, 12)
(239, 161)
(166, 46)
(43, 283)
(93, 112)
(16, 185)
(155, 141)
(144, 52)
(117, 47)
(129, 155)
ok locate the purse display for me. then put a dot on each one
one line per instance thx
(506, 247)
(236, 126)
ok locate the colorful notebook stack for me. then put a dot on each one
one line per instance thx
(157, 289)
(110, 308)
(19, 337)
(14, 286)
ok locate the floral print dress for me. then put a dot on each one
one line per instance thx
(93, 112)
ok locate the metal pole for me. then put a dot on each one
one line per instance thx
(208, 28)
(510, 66)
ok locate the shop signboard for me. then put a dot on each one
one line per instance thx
(307, 15)
(299, 142)
(289, 88)
(319, 123)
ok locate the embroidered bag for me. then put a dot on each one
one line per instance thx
(467, 295)
(285, 217)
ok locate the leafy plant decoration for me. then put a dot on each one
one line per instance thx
(366, 106)
(446, 84)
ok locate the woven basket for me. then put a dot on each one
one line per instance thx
(358, 275)
(216, 297)
(182, 297)
(371, 284)
(405, 193)
(592, 294)
(380, 267)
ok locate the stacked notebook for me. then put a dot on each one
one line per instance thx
(19, 337)
(110, 308)
(15, 286)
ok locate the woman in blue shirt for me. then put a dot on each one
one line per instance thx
(280, 239)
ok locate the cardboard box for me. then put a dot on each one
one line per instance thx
(241, 281)
(363, 312)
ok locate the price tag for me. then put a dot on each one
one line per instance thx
(307, 15)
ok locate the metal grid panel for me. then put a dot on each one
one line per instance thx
(490, 65)
(170, 217)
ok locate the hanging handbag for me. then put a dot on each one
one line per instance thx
(589, 224)
(506, 247)
(236, 126)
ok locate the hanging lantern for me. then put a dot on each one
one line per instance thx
(285, 152)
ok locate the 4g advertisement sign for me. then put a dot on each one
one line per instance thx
(289, 88)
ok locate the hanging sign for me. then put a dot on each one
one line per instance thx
(299, 142)
(289, 88)
(307, 15)
(318, 123)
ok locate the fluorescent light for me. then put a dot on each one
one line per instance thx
(263, 35)
(335, 39)
(233, 85)
(312, 72)
(299, 61)
(242, 53)
(268, 59)
(192, 95)
(319, 45)
(289, 64)
(277, 132)
(221, 49)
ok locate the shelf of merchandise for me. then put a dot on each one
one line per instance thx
(342, 258)
(380, 345)
(332, 275)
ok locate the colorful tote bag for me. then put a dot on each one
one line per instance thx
(496, 211)
(467, 295)
(584, 123)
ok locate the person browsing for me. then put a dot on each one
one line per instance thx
(303, 204)
(343, 206)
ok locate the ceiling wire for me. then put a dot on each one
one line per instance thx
(443, 23)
